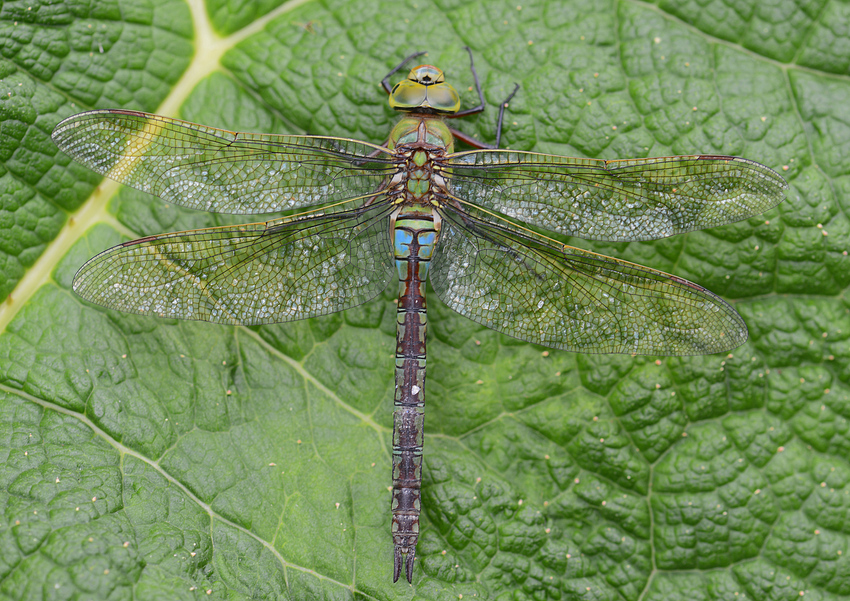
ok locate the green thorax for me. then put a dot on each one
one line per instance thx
(426, 133)
(437, 133)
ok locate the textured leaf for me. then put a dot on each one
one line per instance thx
(156, 459)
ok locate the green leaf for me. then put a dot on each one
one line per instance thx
(170, 460)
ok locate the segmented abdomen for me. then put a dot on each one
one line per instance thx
(415, 235)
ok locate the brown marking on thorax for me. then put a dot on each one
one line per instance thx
(419, 176)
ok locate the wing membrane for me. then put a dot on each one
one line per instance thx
(257, 273)
(563, 297)
(635, 199)
(217, 170)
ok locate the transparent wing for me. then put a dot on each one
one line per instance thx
(221, 171)
(530, 288)
(635, 199)
(258, 273)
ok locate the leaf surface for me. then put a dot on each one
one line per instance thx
(147, 458)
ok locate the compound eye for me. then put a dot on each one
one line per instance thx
(443, 98)
(407, 95)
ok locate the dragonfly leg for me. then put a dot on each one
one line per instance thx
(375, 153)
(377, 192)
(481, 105)
(466, 139)
(481, 145)
(386, 80)
(502, 108)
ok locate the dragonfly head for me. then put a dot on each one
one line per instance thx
(425, 91)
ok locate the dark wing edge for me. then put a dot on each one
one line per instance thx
(221, 171)
(616, 200)
(558, 296)
(259, 273)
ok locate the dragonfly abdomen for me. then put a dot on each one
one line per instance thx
(415, 235)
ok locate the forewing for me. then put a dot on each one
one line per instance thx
(563, 297)
(251, 274)
(217, 170)
(635, 199)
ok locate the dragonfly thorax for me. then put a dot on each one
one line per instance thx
(421, 130)
(418, 179)
(420, 145)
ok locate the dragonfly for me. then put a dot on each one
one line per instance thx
(473, 222)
